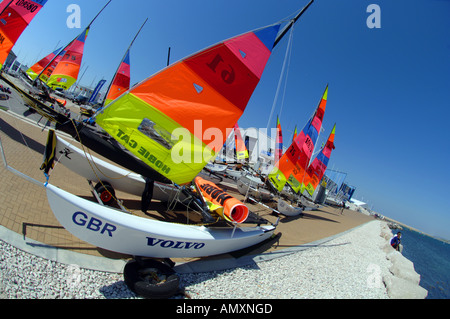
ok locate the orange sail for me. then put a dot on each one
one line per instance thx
(291, 168)
(163, 120)
(316, 170)
(66, 71)
(177, 120)
(15, 16)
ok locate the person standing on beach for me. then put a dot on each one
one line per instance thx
(342, 208)
(396, 240)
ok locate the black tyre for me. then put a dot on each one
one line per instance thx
(106, 193)
(151, 279)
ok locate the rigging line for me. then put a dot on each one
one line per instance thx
(291, 37)
(279, 82)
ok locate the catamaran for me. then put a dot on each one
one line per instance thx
(15, 16)
(41, 79)
(215, 83)
(287, 176)
(152, 130)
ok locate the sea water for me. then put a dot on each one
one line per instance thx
(431, 259)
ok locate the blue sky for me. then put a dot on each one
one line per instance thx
(388, 86)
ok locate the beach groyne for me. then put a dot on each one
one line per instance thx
(402, 281)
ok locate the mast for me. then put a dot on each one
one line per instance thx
(168, 57)
(62, 49)
(6, 7)
(110, 84)
(291, 23)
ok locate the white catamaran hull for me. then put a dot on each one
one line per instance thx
(114, 230)
(95, 170)
(287, 209)
(251, 186)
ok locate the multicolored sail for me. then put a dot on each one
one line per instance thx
(317, 168)
(167, 120)
(291, 168)
(44, 75)
(278, 142)
(15, 16)
(37, 68)
(241, 150)
(66, 71)
(121, 81)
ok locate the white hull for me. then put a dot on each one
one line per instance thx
(114, 230)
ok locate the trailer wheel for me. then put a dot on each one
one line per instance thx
(105, 192)
(151, 279)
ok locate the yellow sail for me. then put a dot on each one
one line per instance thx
(176, 120)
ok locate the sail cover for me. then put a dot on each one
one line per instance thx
(37, 68)
(316, 170)
(66, 71)
(15, 16)
(291, 168)
(176, 120)
(121, 81)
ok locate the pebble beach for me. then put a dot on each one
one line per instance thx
(354, 265)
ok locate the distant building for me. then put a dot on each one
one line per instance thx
(82, 90)
(259, 145)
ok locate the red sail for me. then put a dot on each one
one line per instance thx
(14, 18)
